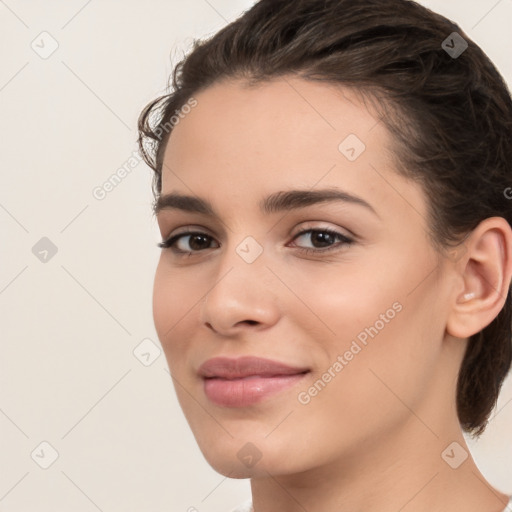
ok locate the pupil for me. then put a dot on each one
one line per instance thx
(195, 237)
(322, 236)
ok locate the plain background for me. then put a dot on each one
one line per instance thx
(70, 324)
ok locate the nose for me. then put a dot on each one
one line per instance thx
(242, 297)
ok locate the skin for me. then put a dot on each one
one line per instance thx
(372, 439)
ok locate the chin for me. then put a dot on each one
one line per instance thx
(227, 463)
(244, 459)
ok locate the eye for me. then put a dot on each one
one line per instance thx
(198, 241)
(324, 236)
(196, 238)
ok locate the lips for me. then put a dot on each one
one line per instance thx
(226, 368)
(247, 380)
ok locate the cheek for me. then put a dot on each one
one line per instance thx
(347, 304)
(380, 341)
(173, 305)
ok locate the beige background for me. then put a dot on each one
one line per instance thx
(70, 325)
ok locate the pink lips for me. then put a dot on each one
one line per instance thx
(246, 380)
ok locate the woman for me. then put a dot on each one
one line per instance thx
(333, 292)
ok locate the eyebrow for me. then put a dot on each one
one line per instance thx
(284, 200)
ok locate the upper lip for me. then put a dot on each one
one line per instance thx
(229, 368)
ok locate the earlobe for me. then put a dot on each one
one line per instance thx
(485, 271)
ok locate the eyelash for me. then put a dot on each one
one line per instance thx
(170, 243)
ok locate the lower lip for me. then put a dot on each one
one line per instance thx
(247, 391)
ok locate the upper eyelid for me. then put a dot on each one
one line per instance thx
(188, 230)
(307, 225)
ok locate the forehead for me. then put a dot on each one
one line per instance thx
(284, 126)
(274, 116)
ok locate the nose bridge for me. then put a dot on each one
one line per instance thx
(241, 266)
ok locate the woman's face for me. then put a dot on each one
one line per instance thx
(366, 318)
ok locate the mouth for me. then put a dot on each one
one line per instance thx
(246, 381)
(246, 366)
(249, 390)
(243, 387)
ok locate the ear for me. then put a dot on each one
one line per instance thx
(484, 273)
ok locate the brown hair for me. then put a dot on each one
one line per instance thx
(450, 116)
